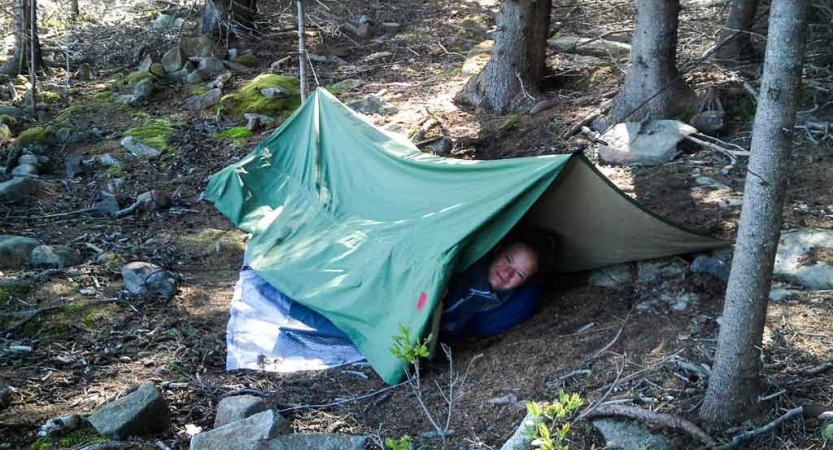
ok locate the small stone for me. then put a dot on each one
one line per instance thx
(58, 256)
(253, 124)
(348, 85)
(805, 258)
(144, 66)
(246, 434)
(717, 264)
(143, 411)
(143, 89)
(238, 407)
(146, 279)
(212, 66)
(220, 81)
(378, 55)
(174, 59)
(164, 22)
(372, 104)
(84, 72)
(655, 271)
(25, 170)
(108, 160)
(232, 53)
(18, 189)
(10, 111)
(136, 148)
(275, 92)
(130, 99)
(60, 425)
(360, 31)
(264, 119)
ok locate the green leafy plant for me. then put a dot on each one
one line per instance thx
(549, 428)
(404, 443)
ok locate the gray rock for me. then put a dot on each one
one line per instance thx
(619, 276)
(246, 434)
(627, 435)
(441, 147)
(590, 47)
(5, 394)
(180, 76)
(212, 66)
(657, 271)
(10, 111)
(18, 189)
(201, 47)
(144, 66)
(519, 441)
(232, 53)
(264, 119)
(143, 411)
(717, 264)
(204, 101)
(164, 22)
(146, 279)
(378, 55)
(108, 205)
(275, 92)
(130, 99)
(372, 104)
(195, 77)
(136, 148)
(8, 92)
(35, 160)
(84, 72)
(348, 85)
(108, 160)
(238, 407)
(317, 441)
(60, 425)
(25, 170)
(710, 183)
(253, 124)
(174, 59)
(220, 81)
(648, 144)
(58, 256)
(360, 31)
(780, 292)
(326, 59)
(143, 89)
(805, 258)
(712, 123)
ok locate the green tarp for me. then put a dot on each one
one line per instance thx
(364, 228)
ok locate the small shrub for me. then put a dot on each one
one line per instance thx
(404, 443)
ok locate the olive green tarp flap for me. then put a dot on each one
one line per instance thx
(365, 229)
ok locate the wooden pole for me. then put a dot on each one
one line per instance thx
(301, 51)
(32, 76)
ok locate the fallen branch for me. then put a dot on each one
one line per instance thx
(30, 280)
(615, 338)
(815, 370)
(738, 439)
(654, 418)
(543, 106)
(424, 129)
(341, 402)
(602, 109)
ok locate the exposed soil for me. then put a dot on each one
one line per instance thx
(99, 346)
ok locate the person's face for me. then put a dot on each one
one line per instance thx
(512, 267)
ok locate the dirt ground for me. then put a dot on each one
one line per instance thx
(97, 347)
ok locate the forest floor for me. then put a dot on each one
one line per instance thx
(98, 344)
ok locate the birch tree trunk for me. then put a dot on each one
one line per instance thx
(25, 33)
(509, 81)
(652, 77)
(735, 382)
(735, 44)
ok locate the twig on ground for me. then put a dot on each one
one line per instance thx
(575, 373)
(740, 438)
(615, 338)
(526, 94)
(655, 418)
(815, 370)
(594, 406)
(29, 280)
(341, 402)
(602, 109)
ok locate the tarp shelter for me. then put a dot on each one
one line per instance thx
(362, 227)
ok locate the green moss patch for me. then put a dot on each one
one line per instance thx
(49, 97)
(236, 133)
(11, 121)
(249, 99)
(105, 96)
(197, 89)
(248, 60)
(81, 437)
(153, 132)
(135, 77)
(37, 136)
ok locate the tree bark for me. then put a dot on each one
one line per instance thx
(735, 382)
(25, 33)
(652, 88)
(222, 16)
(517, 65)
(735, 43)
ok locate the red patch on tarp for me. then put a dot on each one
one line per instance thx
(423, 297)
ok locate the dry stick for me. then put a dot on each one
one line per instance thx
(29, 280)
(655, 418)
(604, 108)
(341, 402)
(737, 440)
(823, 367)
(615, 338)
(595, 406)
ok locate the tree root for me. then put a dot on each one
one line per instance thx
(746, 435)
(655, 418)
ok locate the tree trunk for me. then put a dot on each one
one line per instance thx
(24, 33)
(735, 44)
(652, 88)
(73, 9)
(222, 16)
(517, 65)
(735, 382)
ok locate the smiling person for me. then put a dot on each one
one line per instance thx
(495, 293)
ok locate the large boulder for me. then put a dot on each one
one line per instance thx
(174, 59)
(142, 278)
(648, 144)
(238, 407)
(16, 251)
(143, 411)
(805, 257)
(589, 46)
(628, 435)
(717, 264)
(246, 434)
(18, 189)
(143, 89)
(58, 256)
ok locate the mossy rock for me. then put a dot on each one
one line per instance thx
(37, 136)
(236, 133)
(105, 96)
(83, 436)
(135, 77)
(197, 89)
(249, 99)
(49, 97)
(157, 69)
(11, 121)
(154, 133)
(248, 60)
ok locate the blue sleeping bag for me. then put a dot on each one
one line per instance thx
(518, 309)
